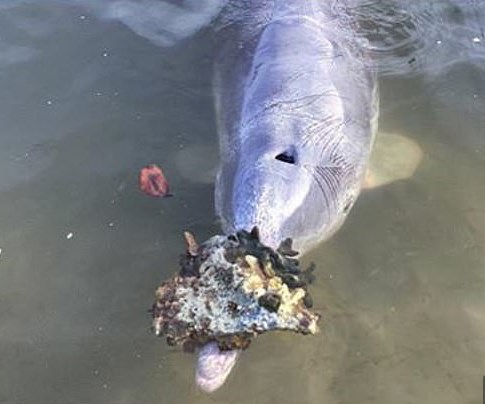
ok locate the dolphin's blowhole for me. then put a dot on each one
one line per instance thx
(288, 156)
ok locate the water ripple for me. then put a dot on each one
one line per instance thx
(413, 37)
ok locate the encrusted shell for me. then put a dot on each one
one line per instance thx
(230, 289)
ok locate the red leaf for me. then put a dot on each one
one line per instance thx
(153, 182)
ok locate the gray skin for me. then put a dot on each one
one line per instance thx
(297, 107)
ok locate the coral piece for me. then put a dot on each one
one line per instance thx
(230, 289)
(152, 181)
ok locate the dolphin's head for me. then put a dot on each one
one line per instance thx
(289, 190)
(286, 195)
(270, 187)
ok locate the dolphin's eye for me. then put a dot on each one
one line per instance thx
(286, 157)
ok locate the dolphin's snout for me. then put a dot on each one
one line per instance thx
(214, 366)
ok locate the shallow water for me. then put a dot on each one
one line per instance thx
(86, 103)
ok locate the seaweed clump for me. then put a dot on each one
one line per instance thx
(232, 288)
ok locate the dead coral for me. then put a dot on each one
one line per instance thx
(232, 288)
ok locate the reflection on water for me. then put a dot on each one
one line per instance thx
(85, 104)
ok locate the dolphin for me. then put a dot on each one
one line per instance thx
(297, 108)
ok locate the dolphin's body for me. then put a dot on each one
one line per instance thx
(297, 109)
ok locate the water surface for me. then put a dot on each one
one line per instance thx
(85, 103)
